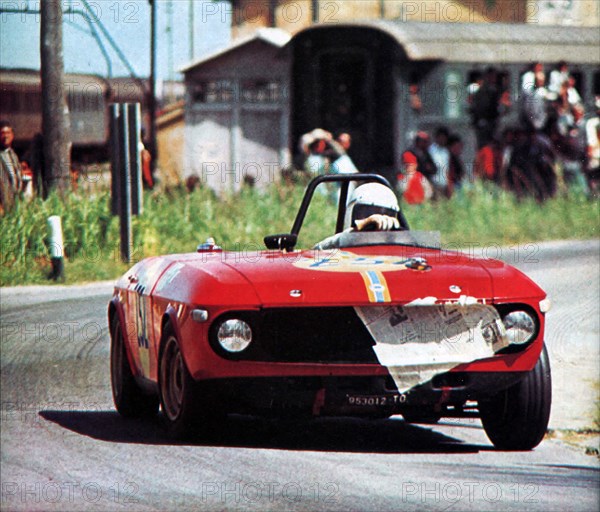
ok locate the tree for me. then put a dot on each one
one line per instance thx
(55, 113)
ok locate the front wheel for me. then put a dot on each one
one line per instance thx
(517, 418)
(186, 406)
(130, 401)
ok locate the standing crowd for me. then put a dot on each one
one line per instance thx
(553, 142)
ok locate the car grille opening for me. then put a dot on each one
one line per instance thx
(315, 335)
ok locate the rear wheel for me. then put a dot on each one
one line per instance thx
(130, 401)
(186, 406)
(517, 418)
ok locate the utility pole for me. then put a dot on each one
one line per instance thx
(152, 99)
(191, 28)
(55, 112)
(171, 74)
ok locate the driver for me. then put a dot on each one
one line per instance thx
(371, 207)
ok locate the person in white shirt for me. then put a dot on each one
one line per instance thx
(441, 157)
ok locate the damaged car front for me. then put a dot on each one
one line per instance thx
(374, 330)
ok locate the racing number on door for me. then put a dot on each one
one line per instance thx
(141, 326)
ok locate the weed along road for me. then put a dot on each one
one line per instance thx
(65, 448)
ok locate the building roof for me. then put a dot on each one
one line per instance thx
(273, 36)
(32, 77)
(171, 114)
(486, 42)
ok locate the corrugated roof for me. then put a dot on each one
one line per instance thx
(274, 36)
(486, 42)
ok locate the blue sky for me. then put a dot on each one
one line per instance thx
(128, 23)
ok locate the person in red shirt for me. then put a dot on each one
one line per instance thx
(417, 169)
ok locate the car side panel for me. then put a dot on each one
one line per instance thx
(136, 292)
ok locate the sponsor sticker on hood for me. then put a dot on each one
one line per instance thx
(417, 342)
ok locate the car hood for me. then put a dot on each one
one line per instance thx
(362, 276)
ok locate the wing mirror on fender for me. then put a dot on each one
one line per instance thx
(282, 242)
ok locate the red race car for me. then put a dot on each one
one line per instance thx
(374, 321)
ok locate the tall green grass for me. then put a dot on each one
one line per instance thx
(177, 221)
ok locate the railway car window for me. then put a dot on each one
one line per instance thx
(74, 100)
(92, 98)
(597, 83)
(453, 94)
(432, 93)
(261, 91)
(29, 101)
(214, 91)
(10, 101)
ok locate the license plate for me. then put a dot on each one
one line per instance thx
(369, 401)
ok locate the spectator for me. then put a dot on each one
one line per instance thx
(146, 162)
(506, 150)
(341, 162)
(487, 161)
(493, 159)
(592, 128)
(419, 149)
(558, 77)
(314, 144)
(415, 98)
(325, 154)
(345, 140)
(534, 105)
(473, 87)
(485, 109)
(456, 171)
(440, 155)
(528, 78)
(35, 158)
(574, 151)
(531, 170)
(411, 182)
(573, 97)
(316, 162)
(27, 175)
(11, 178)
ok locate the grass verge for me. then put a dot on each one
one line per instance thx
(177, 221)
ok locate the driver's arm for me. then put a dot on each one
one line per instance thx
(377, 222)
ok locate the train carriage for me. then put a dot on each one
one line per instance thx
(88, 98)
(356, 77)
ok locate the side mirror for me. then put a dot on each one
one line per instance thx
(281, 242)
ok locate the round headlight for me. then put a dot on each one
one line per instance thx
(234, 335)
(520, 327)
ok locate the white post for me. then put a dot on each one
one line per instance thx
(56, 248)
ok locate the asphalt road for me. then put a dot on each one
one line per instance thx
(64, 448)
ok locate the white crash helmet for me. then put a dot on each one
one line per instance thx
(369, 199)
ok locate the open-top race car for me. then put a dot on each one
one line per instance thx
(368, 323)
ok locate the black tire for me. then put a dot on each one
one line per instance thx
(130, 401)
(425, 418)
(517, 418)
(184, 402)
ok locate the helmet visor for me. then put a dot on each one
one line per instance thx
(362, 211)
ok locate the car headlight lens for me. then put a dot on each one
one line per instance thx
(520, 327)
(234, 335)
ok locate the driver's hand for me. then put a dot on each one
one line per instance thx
(377, 222)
